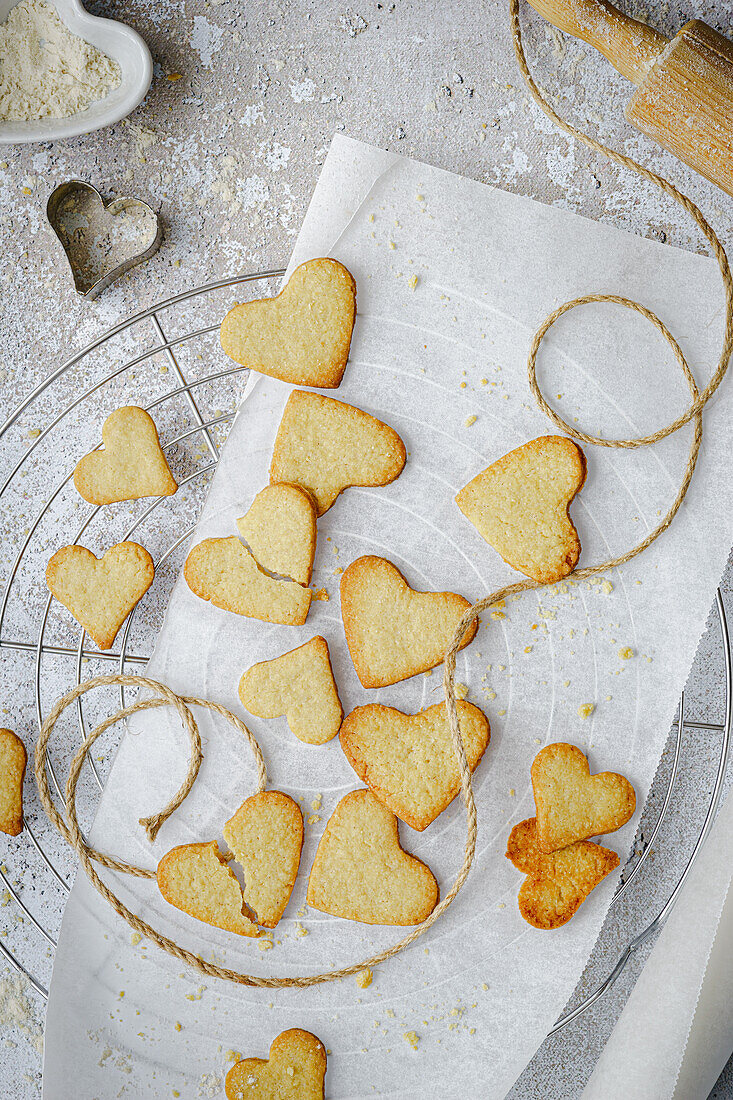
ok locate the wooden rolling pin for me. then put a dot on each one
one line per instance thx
(684, 96)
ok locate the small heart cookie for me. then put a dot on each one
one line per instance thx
(224, 572)
(12, 771)
(360, 871)
(100, 592)
(325, 446)
(295, 1070)
(408, 760)
(556, 884)
(300, 685)
(303, 335)
(392, 631)
(280, 530)
(266, 836)
(520, 504)
(196, 879)
(571, 803)
(131, 465)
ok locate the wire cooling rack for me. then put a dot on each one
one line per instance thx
(174, 341)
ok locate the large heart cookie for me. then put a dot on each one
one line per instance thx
(196, 879)
(325, 446)
(12, 771)
(571, 803)
(556, 884)
(360, 871)
(280, 530)
(408, 760)
(295, 1070)
(392, 631)
(301, 336)
(266, 836)
(100, 592)
(520, 504)
(131, 465)
(300, 685)
(224, 572)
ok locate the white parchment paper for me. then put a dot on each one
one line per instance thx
(453, 278)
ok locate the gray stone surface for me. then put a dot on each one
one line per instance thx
(228, 146)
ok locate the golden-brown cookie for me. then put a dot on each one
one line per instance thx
(557, 884)
(266, 837)
(197, 880)
(300, 685)
(571, 803)
(408, 760)
(12, 772)
(325, 446)
(224, 572)
(392, 631)
(360, 871)
(295, 1070)
(520, 504)
(100, 592)
(303, 335)
(131, 465)
(280, 530)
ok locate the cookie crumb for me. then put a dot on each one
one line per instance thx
(135, 939)
(412, 282)
(585, 710)
(470, 421)
(412, 1038)
(300, 930)
(461, 690)
(607, 587)
(321, 594)
(626, 653)
(364, 978)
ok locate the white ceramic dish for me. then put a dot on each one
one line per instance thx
(118, 41)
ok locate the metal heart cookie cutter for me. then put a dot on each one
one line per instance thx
(101, 242)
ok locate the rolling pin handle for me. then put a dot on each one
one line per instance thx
(631, 47)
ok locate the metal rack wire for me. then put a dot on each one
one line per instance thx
(64, 393)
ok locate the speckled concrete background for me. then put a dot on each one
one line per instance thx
(228, 146)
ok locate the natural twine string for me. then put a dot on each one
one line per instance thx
(165, 697)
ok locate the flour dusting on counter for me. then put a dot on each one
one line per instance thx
(45, 70)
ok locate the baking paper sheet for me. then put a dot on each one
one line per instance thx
(453, 278)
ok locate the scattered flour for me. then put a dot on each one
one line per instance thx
(45, 70)
(303, 91)
(16, 1011)
(206, 39)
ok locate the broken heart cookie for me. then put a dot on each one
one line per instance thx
(100, 592)
(295, 1070)
(520, 504)
(392, 631)
(360, 872)
(12, 772)
(557, 884)
(266, 837)
(224, 572)
(303, 335)
(131, 465)
(325, 446)
(280, 530)
(571, 803)
(196, 879)
(408, 760)
(300, 685)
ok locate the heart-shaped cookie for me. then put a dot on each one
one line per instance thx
(13, 760)
(295, 1070)
(266, 836)
(360, 872)
(303, 335)
(100, 592)
(325, 446)
(408, 760)
(280, 530)
(300, 685)
(558, 883)
(224, 572)
(196, 879)
(392, 631)
(520, 504)
(132, 464)
(571, 803)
